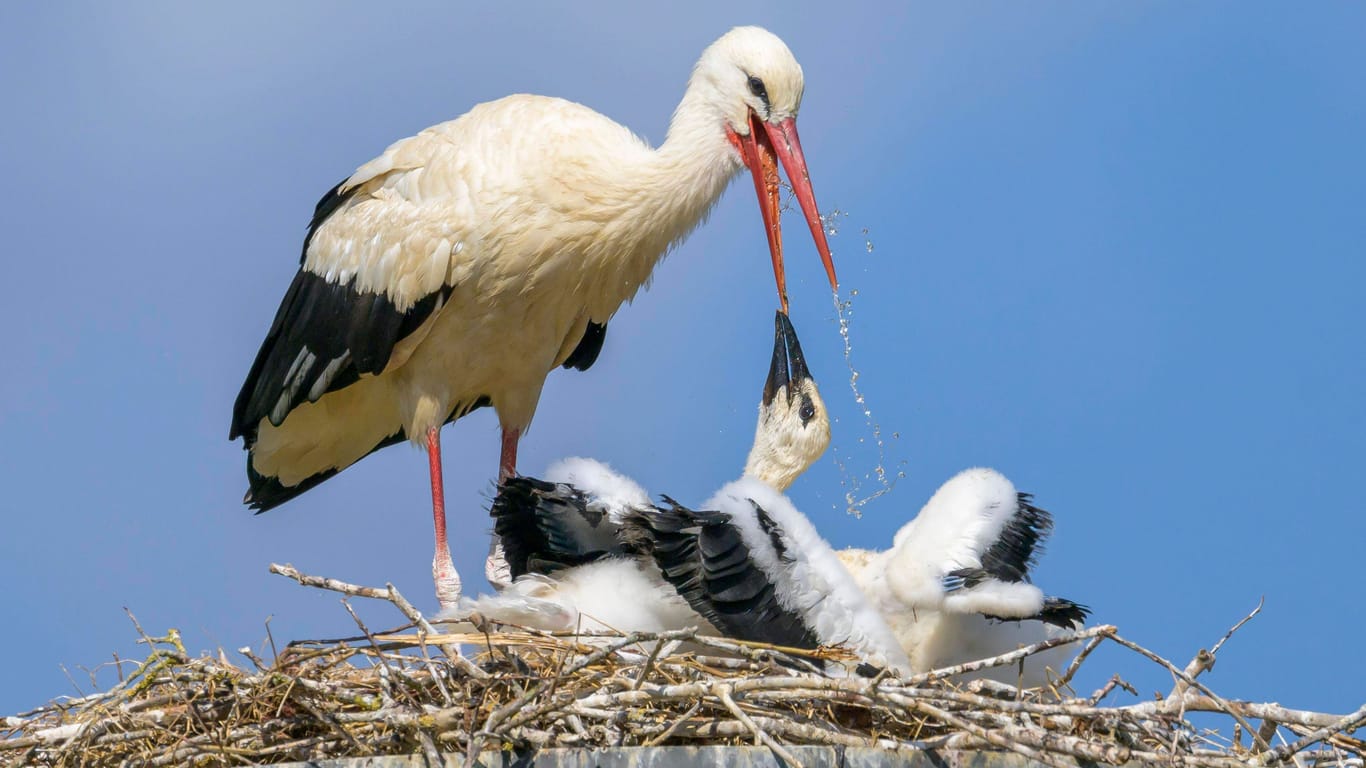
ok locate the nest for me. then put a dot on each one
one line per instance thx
(412, 690)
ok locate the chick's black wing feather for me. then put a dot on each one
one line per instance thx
(546, 527)
(704, 557)
(1015, 551)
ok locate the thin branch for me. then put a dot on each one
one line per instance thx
(674, 726)
(1192, 682)
(1077, 660)
(389, 594)
(1104, 630)
(1346, 724)
(760, 736)
(1260, 602)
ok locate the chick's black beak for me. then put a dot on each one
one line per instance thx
(788, 367)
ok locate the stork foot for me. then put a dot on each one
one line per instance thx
(448, 587)
(496, 568)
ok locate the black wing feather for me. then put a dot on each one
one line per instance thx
(325, 336)
(1014, 553)
(1058, 611)
(702, 555)
(545, 527)
(1062, 612)
(589, 347)
(1010, 559)
(265, 492)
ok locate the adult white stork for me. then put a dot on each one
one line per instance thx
(589, 550)
(955, 584)
(463, 264)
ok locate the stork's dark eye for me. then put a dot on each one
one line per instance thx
(756, 87)
(807, 411)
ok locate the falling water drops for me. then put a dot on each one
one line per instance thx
(831, 221)
(854, 494)
(855, 497)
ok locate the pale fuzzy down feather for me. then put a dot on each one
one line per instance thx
(615, 594)
(1007, 600)
(936, 627)
(813, 583)
(960, 521)
(956, 638)
(612, 491)
(530, 601)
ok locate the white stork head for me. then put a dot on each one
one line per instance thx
(794, 426)
(750, 71)
(751, 81)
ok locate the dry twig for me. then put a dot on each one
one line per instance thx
(383, 693)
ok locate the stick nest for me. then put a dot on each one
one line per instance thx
(410, 690)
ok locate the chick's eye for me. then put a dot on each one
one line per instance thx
(807, 412)
(756, 87)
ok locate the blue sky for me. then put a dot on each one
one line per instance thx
(1118, 255)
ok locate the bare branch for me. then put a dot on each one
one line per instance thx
(1260, 602)
(384, 693)
(1346, 724)
(1192, 682)
(760, 737)
(1104, 630)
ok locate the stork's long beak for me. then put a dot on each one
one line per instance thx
(767, 145)
(788, 368)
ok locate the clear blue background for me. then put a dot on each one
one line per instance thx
(1118, 255)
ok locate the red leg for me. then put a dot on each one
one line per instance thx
(496, 566)
(507, 462)
(443, 570)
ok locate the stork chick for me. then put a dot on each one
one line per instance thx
(955, 584)
(590, 551)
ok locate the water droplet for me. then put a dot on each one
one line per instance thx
(831, 221)
(854, 496)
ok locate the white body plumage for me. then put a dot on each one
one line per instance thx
(939, 622)
(527, 258)
(807, 575)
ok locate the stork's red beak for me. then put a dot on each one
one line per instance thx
(765, 142)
